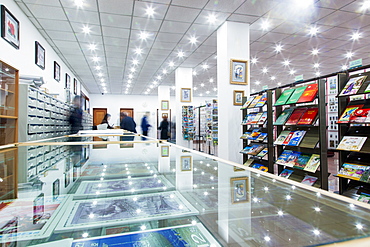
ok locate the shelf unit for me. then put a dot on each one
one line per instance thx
(8, 174)
(9, 81)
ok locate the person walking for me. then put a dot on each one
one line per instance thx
(163, 127)
(127, 123)
(75, 117)
(145, 125)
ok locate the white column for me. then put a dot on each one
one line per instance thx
(232, 43)
(163, 95)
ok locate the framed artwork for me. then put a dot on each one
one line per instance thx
(164, 115)
(9, 27)
(39, 55)
(238, 97)
(185, 94)
(238, 72)
(68, 82)
(165, 105)
(56, 188)
(56, 71)
(165, 151)
(75, 86)
(186, 163)
(239, 190)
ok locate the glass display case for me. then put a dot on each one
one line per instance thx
(157, 193)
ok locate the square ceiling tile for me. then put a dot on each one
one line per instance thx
(47, 12)
(243, 18)
(224, 6)
(337, 18)
(121, 7)
(146, 24)
(164, 45)
(165, 37)
(190, 3)
(83, 16)
(338, 4)
(257, 8)
(174, 27)
(90, 39)
(119, 21)
(55, 35)
(112, 41)
(181, 14)
(115, 32)
(43, 2)
(55, 25)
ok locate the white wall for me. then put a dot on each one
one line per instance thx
(140, 103)
(24, 58)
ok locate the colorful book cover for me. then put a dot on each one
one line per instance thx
(254, 134)
(353, 85)
(351, 143)
(246, 135)
(352, 171)
(292, 159)
(367, 89)
(261, 137)
(313, 163)
(296, 116)
(249, 118)
(263, 118)
(364, 198)
(262, 100)
(284, 97)
(309, 180)
(248, 102)
(256, 118)
(366, 176)
(281, 138)
(260, 167)
(283, 116)
(245, 150)
(296, 138)
(309, 94)
(344, 118)
(302, 161)
(255, 149)
(282, 159)
(309, 116)
(255, 101)
(287, 139)
(296, 95)
(286, 173)
(359, 116)
(263, 153)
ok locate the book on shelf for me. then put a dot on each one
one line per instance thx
(346, 115)
(352, 143)
(248, 162)
(246, 135)
(248, 102)
(283, 117)
(296, 138)
(254, 134)
(309, 117)
(281, 138)
(353, 85)
(261, 137)
(262, 153)
(255, 149)
(263, 118)
(292, 159)
(256, 118)
(245, 150)
(302, 161)
(309, 180)
(296, 116)
(296, 95)
(262, 101)
(284, 96)
(360, 116)
(309, 94)
(287, 139)
(249, 118)
(255, 101)
(310, 140)
(313, 163)
(365, 176)
(364, 198)
(286, 173)
(352, 171)
(260, 167)
(282, 159)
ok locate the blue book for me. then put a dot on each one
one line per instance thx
(282, 159)
(292, 159)
(286, 173)
(297, 137)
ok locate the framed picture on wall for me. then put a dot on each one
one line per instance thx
(39, 55)
(185, 94)
(239, 190)
(165, 151)
(186, 163)
(164, 105)
(9, 27)
(56, 71)
(238, 97)
(238, 72)
(75, 86)
(68, 82)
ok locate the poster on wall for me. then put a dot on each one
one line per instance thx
(9, 27)
(75, 86)
(39, 55)
(56, 71)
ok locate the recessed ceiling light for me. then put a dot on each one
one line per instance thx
(149, 11)
(171, 64)
(286, 62)
(135, 62)
(202, 84)
(155, 82)
(211, 18)
(95, 59)
(359, 226)
(195, 88)
(279, 83)
(317, 73)
(173, 87)
(129, 81)
(100, 74)
(146, 92)
(365, 5)
(200, 95)
(257, 82)
(159, 77)
(303, 4)
(143, 35)
(267, 238)
(92, 47)
(316, 65)
(292, 72)
(344, 67)
(211, 80)
(132, 69)
(265, 25)
(126, 92)
(207, 92)
(180, 54)
(128, 85)
(313, 31)
(264, 70)
(356, 36)
(315, 51)
(79, 3)
(193, 40)
(85, 235)
(254, 60)
(103, 84)
(98, 67)
(130, 76)
(253, 90)
(273, 78)
(316, 232)
(194, 72)
(205, 66)
(278, 48)
(86, 29)
(215, 89)
(102, 80)
(164, 71)
(138, 51)
(349, 54)
(151, 86)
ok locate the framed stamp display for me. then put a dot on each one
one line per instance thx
(185, 95)
(238, 97)
(56, 71)
(186, 163)
(75, 86)
(9, 27)
(68, 82)
(238, 72)
(239, 190)
(165, 105)
(39, 55)
(165, 151)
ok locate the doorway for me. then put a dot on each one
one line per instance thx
(129, 111)
(98, 115)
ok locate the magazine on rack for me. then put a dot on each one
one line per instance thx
(351, 143)
(353, 85)
(309, 180)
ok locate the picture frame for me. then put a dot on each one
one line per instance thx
(185, 94)
(75, 86)
(165, 105)
(39, 55)
(56, 71)
(186, 163)
(165, 151)
(238, 72)
(238, 97)
(68, 82)
(239, 190)
(164, 115)
(9, 27)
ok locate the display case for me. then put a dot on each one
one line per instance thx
(8, 174)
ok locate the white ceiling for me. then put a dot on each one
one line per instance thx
(116, 26)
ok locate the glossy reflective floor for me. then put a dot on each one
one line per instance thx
(123, 192)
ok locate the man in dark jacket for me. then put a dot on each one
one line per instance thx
(127, 123)
(144, 124)
(75, 117)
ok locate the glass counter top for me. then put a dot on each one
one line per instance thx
(147, 193)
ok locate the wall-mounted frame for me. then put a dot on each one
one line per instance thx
(165, 151)
(239, 72)
(165, 105)
(164, 115)
(185, 94)
(68, 82)
(56, 71)
(9, 27)
(75, 86)
(239, 190)
(39, 55)
(238, 97)
(186, 163)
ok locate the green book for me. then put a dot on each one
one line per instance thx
(296, 95)
(283, 116)
(284, 96)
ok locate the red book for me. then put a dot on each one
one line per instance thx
(287, 139)
(296, 115)
(360, 116)
(309, 116)
(309, 94)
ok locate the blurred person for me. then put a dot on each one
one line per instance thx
(106, 121)
(145, 125)
(75, 117)
(163, 127)
(127, 123)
